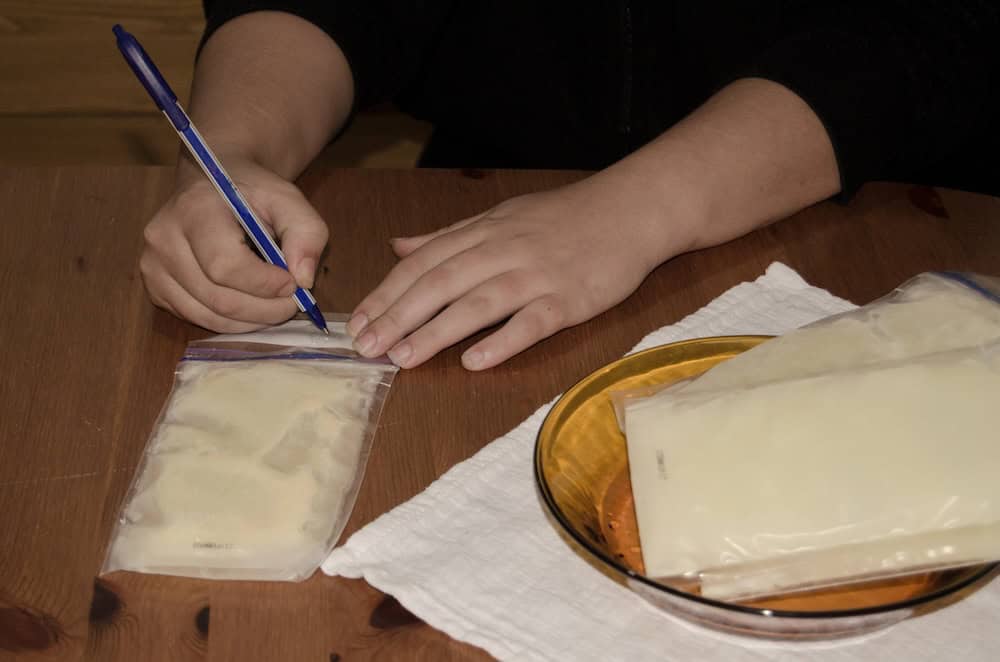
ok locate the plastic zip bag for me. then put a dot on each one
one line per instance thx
(931, 312)
(861, 446)
(253, 466)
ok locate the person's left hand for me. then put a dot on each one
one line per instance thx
(545, 260)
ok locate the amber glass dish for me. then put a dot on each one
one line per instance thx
(581, 468)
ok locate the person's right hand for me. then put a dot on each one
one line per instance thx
(197, 264)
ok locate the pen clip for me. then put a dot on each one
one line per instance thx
(147, 73)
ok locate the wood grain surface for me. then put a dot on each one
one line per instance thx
(60, 58)
(86, 363)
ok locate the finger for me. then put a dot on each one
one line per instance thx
(403, 246)
(407, 272)
(219, 246)
(172, 296)
(482, 306)
(151, 280)
(181, 265)
(539, 319)
(427, 295)
(300, 231)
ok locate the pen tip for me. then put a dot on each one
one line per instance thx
(326, 331)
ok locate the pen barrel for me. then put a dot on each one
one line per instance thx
(304, 299)
(149, 75)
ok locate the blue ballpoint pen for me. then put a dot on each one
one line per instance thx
(166, 100)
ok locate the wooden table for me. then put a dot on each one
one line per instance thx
(87, 362)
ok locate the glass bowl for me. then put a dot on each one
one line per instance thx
(581, 468)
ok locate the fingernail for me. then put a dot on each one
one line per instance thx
(473, 359)
(307, 272)
(400, 354)
(356, 323)
(365, 343)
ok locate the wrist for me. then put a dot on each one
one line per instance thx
(657, 203)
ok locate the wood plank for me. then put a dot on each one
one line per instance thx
(84, 73)
(25, 18)
(381, 138)
(143, 139)
(375, 140)
(105, 9)
(60, 56)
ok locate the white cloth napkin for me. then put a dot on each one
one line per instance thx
(474, 555)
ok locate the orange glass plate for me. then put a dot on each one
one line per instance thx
(581, 467)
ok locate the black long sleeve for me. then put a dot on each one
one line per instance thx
(906, 91)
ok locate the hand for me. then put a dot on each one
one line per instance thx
(547, 261)
(196, 262)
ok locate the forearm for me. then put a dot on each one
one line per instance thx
(272, 88)
(752, 154)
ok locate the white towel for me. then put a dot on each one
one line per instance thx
(474, 555)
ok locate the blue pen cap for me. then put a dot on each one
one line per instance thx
(150, 77)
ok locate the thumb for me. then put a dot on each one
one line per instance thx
(301, 233)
